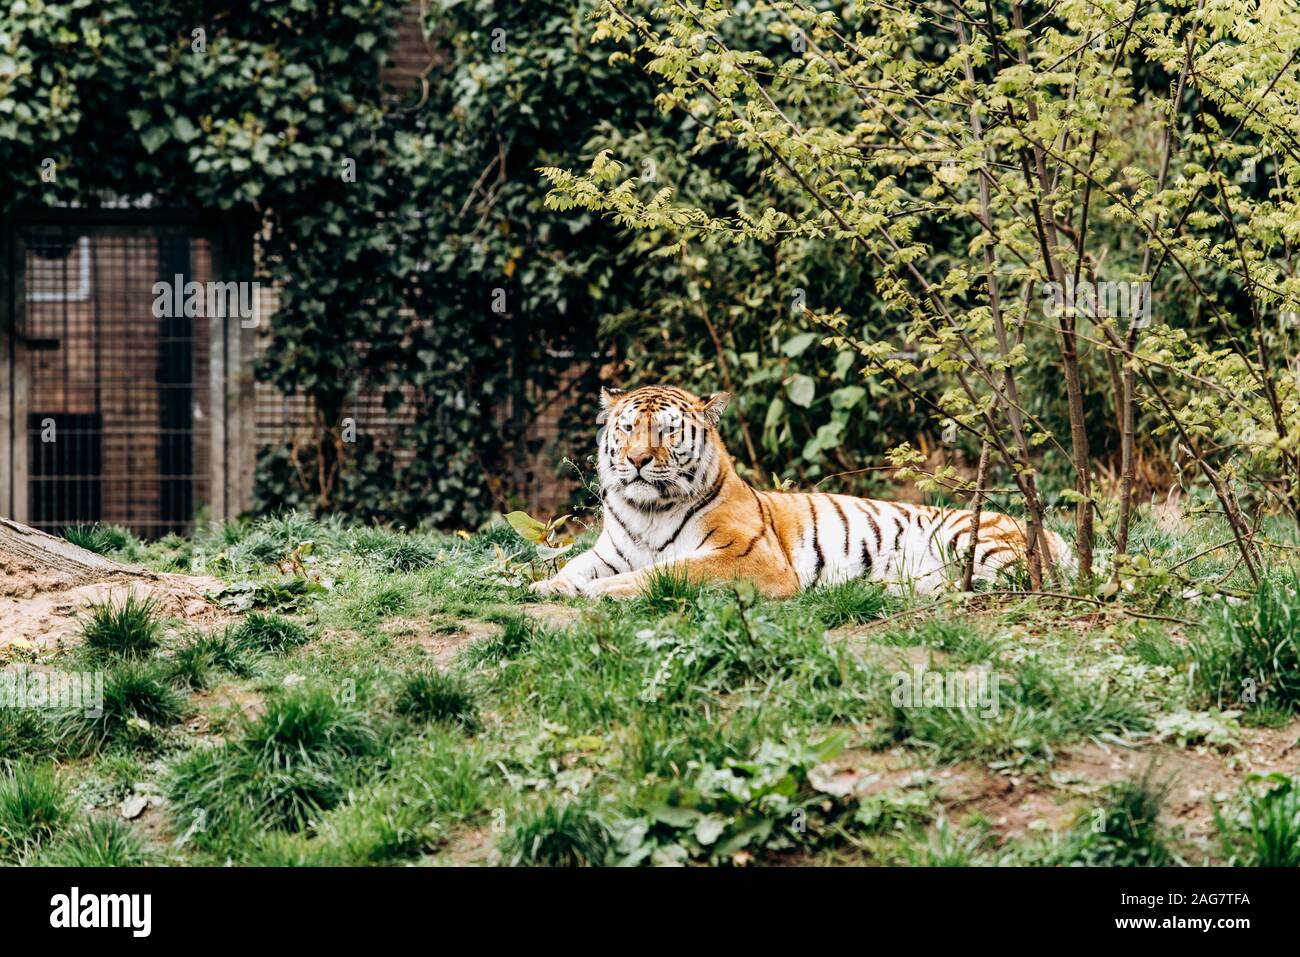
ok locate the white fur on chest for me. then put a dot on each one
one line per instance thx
(644, 538)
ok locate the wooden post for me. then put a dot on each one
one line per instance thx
(7, 336)
(20, 382)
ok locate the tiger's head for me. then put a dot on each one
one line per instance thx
(659, 445)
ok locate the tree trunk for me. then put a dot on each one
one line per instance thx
(32, 561)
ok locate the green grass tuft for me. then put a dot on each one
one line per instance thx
(1125, 831)
(97, 538)
(1249, 653)
(138, 703)
(24, 736)
(264, 632)
(1036, 708)
(34, 806)
(296, 760)
(849, 603)
(435, 696)
(199, 655)
(129, 629)
(563, 834)
(383, 601)
(1265, 830)
(516, 635)
(669, 588)
(98, 841)
(390, 551)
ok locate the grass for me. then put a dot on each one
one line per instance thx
(131, 628)
(516, 635)
(563, 834)
(195, 660)
(101, 539)
(270, 633)
(98, 841)
(1125, 831)
(848, 603)
(286, 766)
(24, 735)
(1264, 829)
(435, 696)
(34, 807)
(139, 703)
(1249, 655)
(400, 697)
(1008, 715)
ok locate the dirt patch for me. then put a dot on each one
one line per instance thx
(466, 848)
(1012, 805)
(554, 616)
(45, 581)
(1198, 777)
(48, 619)
(445, 643)
(1015, 805)
(216, 706)
(859, 639)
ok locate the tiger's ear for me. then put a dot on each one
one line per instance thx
(607, 398)
(713, 406)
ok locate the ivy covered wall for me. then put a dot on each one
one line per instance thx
(434, 276)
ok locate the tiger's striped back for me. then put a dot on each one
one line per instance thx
(835, 538)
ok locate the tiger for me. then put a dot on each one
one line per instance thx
(672, 499)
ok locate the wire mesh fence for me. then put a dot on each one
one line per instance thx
(112, 391)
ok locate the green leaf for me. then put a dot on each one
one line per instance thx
(546, 553)
(847, 397)
(184, 129)
(797, 345)
(801, 389)
(673, 816)
(709, 828)
(153, 138)
(843, 362)
(527, 527)
(775, 410)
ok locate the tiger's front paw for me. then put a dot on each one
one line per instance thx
(559, 585)
(616, 586)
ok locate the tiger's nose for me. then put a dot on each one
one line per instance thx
(639, 458)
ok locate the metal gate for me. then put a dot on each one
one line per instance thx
(120, 394)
